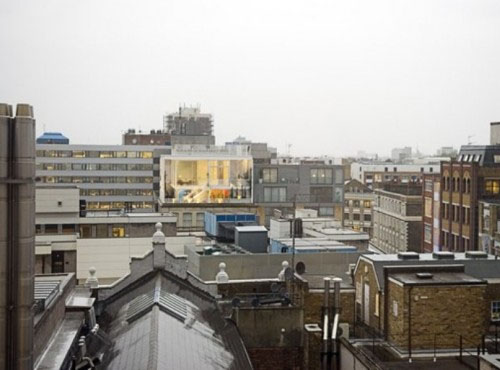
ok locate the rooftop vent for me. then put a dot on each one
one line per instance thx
(424, 275)
(476, 254)
(408, 256)
(444, 255)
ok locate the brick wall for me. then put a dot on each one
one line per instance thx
(369, 278)
(273, 358)
(442, 313)
(314, 302)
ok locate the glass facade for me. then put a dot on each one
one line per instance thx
(206, 180)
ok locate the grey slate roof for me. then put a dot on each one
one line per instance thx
(487, 268)
(165, 324)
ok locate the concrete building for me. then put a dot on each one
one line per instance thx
(153, 137)
(312, 185)
(375, 174)
(260, 152)
(358, 206)
(52, 138)
(397, 219)
(17, 236)
(399, 155)
(67, 242)
(110, 177)
(189, 126)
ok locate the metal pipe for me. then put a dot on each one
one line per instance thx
(336, 309)
(409, 324)
(326, 308)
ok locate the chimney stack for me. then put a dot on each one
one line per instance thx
(17, 236)
(495, 133)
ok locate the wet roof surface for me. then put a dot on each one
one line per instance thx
(165, 325)
(435, 278)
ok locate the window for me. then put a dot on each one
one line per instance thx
(187, 219)
(428, 207)
(367, 217)
(78, 154)
(118, 231)
(492, 186)
(274, 194)
(428, 233)
(146, 154)
(495, 311)
(51, 229)
(395, 308)
(68, 229)
(106, 154)
(321, 176)
(200, 219)
(367, 203)
(270, 175)
(85, 231)
(326, 211)
(101, 231)
(377, 304)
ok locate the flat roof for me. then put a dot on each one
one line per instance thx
(435, 278)
(253, 228)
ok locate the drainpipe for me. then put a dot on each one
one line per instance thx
(326, 307)
(409, 324)
(336, 313)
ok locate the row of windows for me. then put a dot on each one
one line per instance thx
(456, 213)
(454, 242)
(357, 217)
(96, 180)
(358, 203)
(94, 206)
(116, 192)
(93, 167)
(395, 169)
(275, 194)
(189, 221)
(317, 176)
(322, 176)
(92, 154)
(456, 184)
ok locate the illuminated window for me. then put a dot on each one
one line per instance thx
(321, 176)
(105, 154)
(492, 186)
(118, 231)
(121, 154)
(377, 304)
(146, 154)
(78, 153)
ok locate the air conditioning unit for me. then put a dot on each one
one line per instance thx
(344, 330)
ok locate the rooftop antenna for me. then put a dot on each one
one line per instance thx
(288, 149)
(469, 142)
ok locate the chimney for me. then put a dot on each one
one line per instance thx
(494, 133)
(17, 236)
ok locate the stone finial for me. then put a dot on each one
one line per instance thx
(92, 281)
(222, 276)
(281, 275)
(158, 236)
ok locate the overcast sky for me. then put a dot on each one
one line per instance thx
(329, 77)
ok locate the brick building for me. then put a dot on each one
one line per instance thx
(405, 298)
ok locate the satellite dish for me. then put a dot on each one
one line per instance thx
(236, 302)
(288, 273)
(300, 268)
